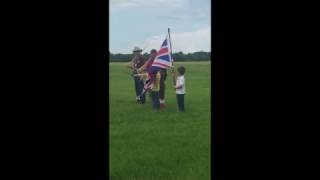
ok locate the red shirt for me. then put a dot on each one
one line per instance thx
(151, 58)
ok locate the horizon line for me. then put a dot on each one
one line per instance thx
(172, 52)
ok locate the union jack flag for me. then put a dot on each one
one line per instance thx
(164, 57)
(163, 60)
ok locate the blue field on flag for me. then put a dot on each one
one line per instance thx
(164, 59)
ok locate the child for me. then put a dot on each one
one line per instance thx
(155, 91)
(180, 88)
(162, 88)
(155, 88)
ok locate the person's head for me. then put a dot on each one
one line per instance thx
(136, 50)
(153, 52)
(181, 70)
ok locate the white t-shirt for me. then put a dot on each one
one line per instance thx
(181, 82)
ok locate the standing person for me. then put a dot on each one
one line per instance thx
(148, 63)
(136, 63)
(180, 88)
(155, 88)
(162, 88)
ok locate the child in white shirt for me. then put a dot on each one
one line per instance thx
(180, 88)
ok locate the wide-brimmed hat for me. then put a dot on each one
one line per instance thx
(136, 49)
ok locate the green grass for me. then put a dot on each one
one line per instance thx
(166, 144)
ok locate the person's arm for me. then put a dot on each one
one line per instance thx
(178, 87)
(142, 75)
(144, 66)
(130, 64)
(174, 76)
(179, 84)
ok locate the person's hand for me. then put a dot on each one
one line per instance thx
(139, 70)
(129, 65)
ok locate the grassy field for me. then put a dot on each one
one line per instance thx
(166, 144)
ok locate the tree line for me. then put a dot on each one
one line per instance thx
(179, 56)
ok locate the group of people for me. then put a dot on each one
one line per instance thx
(147, 78)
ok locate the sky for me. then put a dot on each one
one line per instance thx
(145, 23)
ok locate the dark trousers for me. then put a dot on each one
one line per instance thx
(180, 100)
(155, 99)
(162, 89)
(162, 84)
(138, 84)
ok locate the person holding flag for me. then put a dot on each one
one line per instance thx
(147, 65)
(137, 61)
(162, 61)
(163, 75)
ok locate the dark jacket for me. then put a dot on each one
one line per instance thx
(139, 61)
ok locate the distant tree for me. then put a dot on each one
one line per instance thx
(178, 56)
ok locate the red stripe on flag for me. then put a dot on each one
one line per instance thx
(164, 67)
(162, 54)
(163, 50)
(157, 63)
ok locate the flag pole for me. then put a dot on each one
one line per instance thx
(172, 70)
(170, 45)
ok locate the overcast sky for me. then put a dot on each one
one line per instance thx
(144, 23)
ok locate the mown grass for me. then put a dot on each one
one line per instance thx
(166, 144)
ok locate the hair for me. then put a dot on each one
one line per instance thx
(181, 70)
(153, 51)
